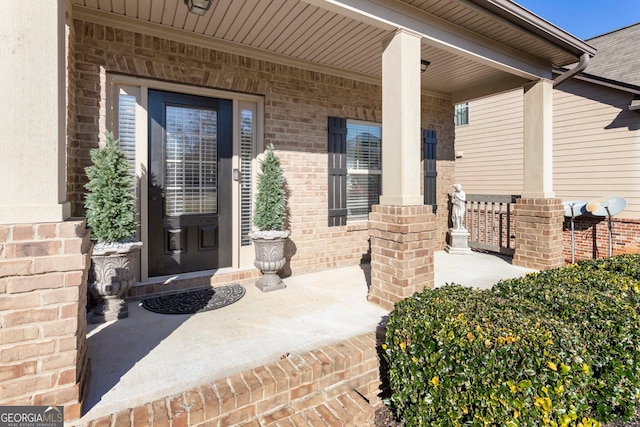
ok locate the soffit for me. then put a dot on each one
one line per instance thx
(469, 15)
(300, 31)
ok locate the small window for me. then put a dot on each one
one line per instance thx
(127, 130)
(462, 114)
(364, 168)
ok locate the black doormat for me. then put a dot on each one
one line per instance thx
(195, 301)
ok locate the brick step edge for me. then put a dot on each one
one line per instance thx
(335, 385)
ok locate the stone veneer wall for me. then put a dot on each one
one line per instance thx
(592, 237)
(43, 289)
(297, 104)
(336, 385)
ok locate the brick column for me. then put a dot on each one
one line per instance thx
(538, 229)
(402, 245)
(43, 289)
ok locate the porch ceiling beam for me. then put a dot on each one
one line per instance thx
(485, 87)
(390, 15)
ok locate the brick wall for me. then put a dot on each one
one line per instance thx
(70, 101)
(401, 253)
(337, 384)
(297, 104)
(538, 233)
(592, 237)
(437, 114)
(43, 288)
(444, 184)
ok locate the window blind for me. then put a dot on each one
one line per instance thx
(127, 132)
(191, 161)
(246, 174)
(364, 168)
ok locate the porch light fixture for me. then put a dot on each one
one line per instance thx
(199, 7)
(423, 65)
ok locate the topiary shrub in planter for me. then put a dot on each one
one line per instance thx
(110, 211)
(459, 356)
(269, 218)
(602, 308)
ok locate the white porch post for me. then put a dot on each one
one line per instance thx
(401, 120)
(538, 215)
(33, 112)
(401, 227)
(538, 140)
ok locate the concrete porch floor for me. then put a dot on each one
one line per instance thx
(149, 355)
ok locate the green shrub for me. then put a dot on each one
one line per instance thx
(628, 264)
(602, 307)
(110, 203)
(458, 356)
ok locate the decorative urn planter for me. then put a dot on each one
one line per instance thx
(269, 217)
(110, 277)
(270, 257)
(111, 215)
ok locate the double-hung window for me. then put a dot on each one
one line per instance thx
(355, 169)
(364, 168)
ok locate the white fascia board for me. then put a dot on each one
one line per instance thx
(391, 15)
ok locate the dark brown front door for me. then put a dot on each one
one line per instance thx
(190, 150)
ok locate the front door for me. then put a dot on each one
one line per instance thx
(190, 177)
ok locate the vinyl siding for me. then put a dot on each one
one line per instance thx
(491, 145)
(596, 145)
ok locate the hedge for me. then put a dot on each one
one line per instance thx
(627, 265)
(603, 308)
(559, 348)
(458, 356)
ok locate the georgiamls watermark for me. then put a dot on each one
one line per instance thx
(31, 416)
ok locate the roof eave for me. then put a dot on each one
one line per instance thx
(602, 81)
(522, 17)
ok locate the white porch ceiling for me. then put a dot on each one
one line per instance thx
(331, 38)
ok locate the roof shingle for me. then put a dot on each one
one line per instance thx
(618, 56)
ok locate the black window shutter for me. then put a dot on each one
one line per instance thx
(337, 149)
(429, 144)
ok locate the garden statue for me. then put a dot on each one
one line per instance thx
(458, 199)
(458, 236)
